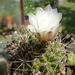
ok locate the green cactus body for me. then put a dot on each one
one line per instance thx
(34, 55)
(71, 59)
(3, 66)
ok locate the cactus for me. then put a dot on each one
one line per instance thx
(32, 56)
(3, 66)
(4, 51)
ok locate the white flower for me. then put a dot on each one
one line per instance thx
(44, 23)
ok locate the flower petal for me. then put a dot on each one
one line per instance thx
(54, 16)
(46, 35)
(38, 35)
(48, 9)
(41, 15)
(49, 36)
(55, 29)
(31, 28)
(50, 26)
(44, 26)
(32, 20)
(54, 11)
(43, 35)
(59, 17)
